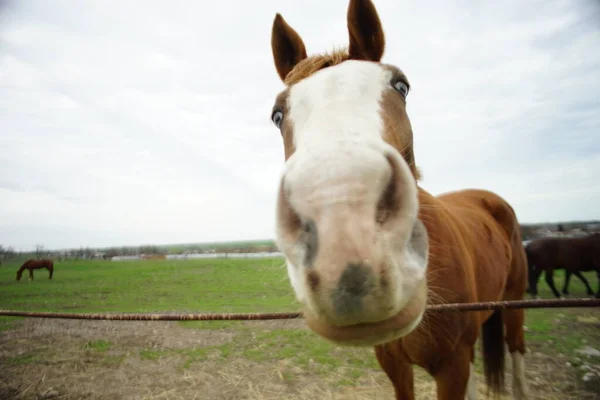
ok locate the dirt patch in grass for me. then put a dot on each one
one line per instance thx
(555, 362)
(70, 359)
(55, 332)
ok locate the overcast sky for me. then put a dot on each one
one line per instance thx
(128, 122)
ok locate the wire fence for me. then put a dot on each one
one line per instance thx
(178, 316)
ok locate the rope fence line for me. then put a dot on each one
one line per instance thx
(483, 306)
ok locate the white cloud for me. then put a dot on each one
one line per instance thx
(123, 123)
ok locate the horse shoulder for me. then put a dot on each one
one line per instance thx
(492, 235)
(447, 254)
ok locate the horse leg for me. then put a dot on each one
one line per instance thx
(598, 274)
(472, 384)
(398, 370)
(567, 279)
(578, 274)
(51, 272)
(550, 282)
(30, 274)
(534, 276)
(453, 375)
(515, 339)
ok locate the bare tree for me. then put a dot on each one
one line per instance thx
(112, 252)
(39, 251)
(149, 249)
(9, 252)
(88, 253)
(79, 253)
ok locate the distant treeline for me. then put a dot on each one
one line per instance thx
(528, 232)
(533, 231)
(7, 253)
(88, 253)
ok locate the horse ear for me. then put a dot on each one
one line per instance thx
(287, 46)
(367, 41)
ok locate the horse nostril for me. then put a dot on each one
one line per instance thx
(389, 202)
(302, 230)
(313, 280)
(310, 238)
(353, 285)
(288, 217)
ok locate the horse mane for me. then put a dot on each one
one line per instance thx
(314, 63)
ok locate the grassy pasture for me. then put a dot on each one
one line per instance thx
(219, 285)
(281, 359)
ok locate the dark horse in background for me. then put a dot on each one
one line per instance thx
(574, 255)
(32, 264)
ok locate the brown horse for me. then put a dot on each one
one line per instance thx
(574, 255)
(32, 264)
(366, 247)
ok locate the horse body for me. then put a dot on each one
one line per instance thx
(32, 264)
(366, 247)
(574, 255)
(485, 237)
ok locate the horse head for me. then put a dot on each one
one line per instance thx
(348, 200)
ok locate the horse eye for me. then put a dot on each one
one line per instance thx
(401, 87)
(277, 118)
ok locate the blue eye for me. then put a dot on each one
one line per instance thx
(277, 118)
(401, 87)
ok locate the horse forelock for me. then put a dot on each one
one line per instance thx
(312, 64)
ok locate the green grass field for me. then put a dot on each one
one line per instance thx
(242, 285)
(219, 285)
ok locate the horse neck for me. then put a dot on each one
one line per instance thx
(433, 214)
(431, 210)
(445, 230)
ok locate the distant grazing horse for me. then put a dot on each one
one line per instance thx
(366, 247)
(575, 255)
(32, 264)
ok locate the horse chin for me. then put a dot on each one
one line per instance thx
(374, 333)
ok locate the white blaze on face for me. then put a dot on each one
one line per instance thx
(335, 115)
(339, 103)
